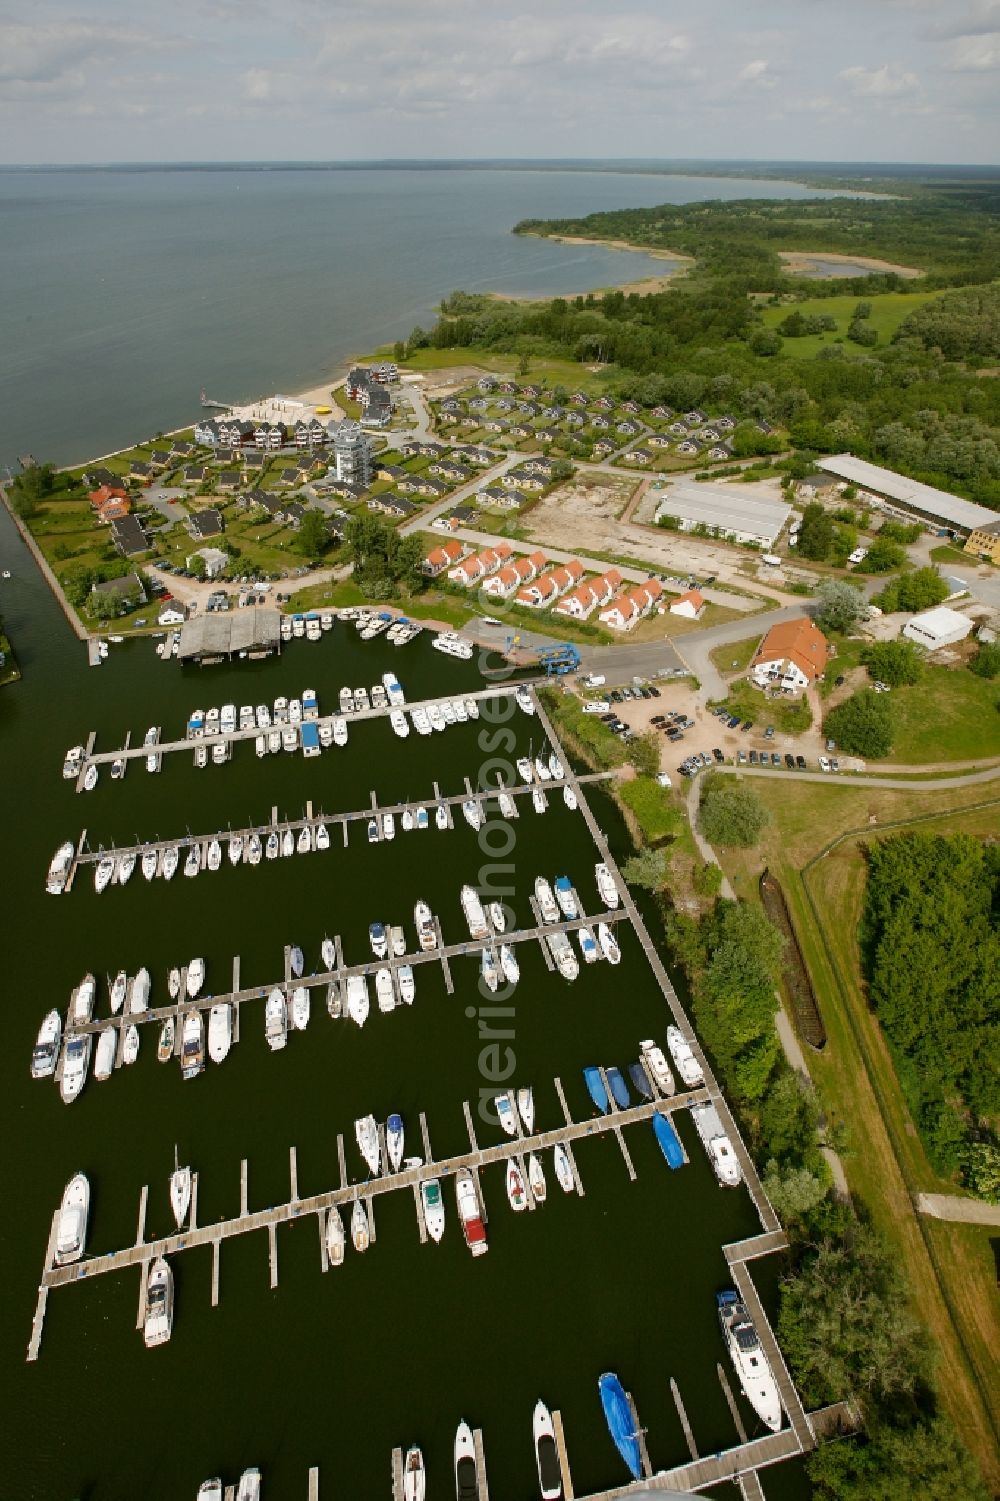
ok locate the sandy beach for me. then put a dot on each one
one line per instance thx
(642, 284)
(797, 261)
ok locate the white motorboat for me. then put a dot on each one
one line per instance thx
(421, 723)
(397, 941)
(360, 1228)
(46, 1049)
(373, 833)
(192, 861)
(542, 770)
(725, 1163)
(273, 742)
(506, 1114)
(210, 1490)
(472, 812)
(436, 717)
(273, 847)
(546, 1454)
(466, 1468)
(538, 800)
(74, 1212)
(300, 1008)
(304, 843)
(565, 959)
(84, 997)
(608, 943)
(547, 905)
(441, 820)
(119, 989)
(433, 1206)
(220, 752)
(472, 708)
(340, 731)
(384, 991)
(507, 805)
(358, 1004)
(165, 1046)
(524, 700)
(379, 939)
(171, 859)
(749, 1361)
(126, 865)
(321, 837)
(289, 738)
(235, 849)
(262, 717)
(260, 746)
(570, 797)
(498, 916)
(414, 1475)
(424, 919)
(334, 1000)
(159, 1305)
(388, 826)
(366, 1133)
(130, 1047)
(249, 1486)
(490, 970)
(509, 965)
(280, 710)
(103, 872)
(328, 954)
(253, 850)
(192, 1045)
(336, 1240)
(150, 860)
(420, 818)
(657, 1066)
(523, 766)
(214, 860)
(517, 1191)
(73, 761)
(59, 867)
(276, 1020)
(536, 1178)
(181, 1184)
(566, 897)
(174, 984)
(287, 844)
(394, 1138)
(563, 1167)
(681, 1052)
(470, 1213)
(220, 1031)
(90, 777)
(588, 945)
(474, 915)
(606, 887)
(526, 1109)
(406, 820)
(296, 960)
(104, 1056)
(453, 645)
(76, 1062)
(458, 709)
(400, 723)
(195, 977)
(138, 999)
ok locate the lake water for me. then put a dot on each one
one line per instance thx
(126, 293)
(133, 291)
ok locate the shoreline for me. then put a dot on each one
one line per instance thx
(642, 285)
(798, 261)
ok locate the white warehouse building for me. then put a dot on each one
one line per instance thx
(730, 511)
(937, 627)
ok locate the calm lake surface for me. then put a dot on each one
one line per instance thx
(132, 291)
(126, 293)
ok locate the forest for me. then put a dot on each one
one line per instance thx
(931, 951)
(924, 403)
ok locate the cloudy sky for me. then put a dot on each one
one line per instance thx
(213, 80)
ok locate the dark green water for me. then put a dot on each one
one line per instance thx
(396, 1346)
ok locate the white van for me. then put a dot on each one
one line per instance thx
(771, 559)
(599, 706)
(594, 680)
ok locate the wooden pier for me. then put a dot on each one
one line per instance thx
(247, 1221)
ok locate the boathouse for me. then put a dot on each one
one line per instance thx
(254, 632)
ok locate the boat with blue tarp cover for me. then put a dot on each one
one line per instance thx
(595, 1088)
(640, 1081)
(618, 1087)
(668, 1139)
(620, 1421)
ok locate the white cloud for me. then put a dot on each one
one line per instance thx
(982, 19)
(880, 83)
(976, 54)
(757, 72)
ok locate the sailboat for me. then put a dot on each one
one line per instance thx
(366, 1134)
(360, 1227)
(526, 1109)
(621, 1422)
(394, 1136)
(563, 1167)
(180, 1192)
(517, 1193)
(536, 1178)
(335, 1237)
(118, 990)
(296, 960)
(509, 965)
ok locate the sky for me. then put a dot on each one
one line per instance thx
(252, 80)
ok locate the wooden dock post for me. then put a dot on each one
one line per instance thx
(647, 1468)
(750, 1486)
(193, 1216)
(562, 1100)
(144, 1266)
(216, 1258)
(324, 1255)
(397, 1475)
(727, 1392)
(314, 1483)
(293, 1174)
(370, 1207)
(563, 1457)
(140, 1232)
(449, 983)
(428, 1154)
(577, 1180)
(469, 1126)
(272, 1246)
(477, 1439)
(682, 1414)
(342, 1162)
(418, 1200)
(38, 1322)
(244, 1211)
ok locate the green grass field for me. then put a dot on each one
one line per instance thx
(734, 656)
(888, 311)
(950, 715)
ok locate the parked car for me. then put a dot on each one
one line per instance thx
(732, 722)
(801, 762)
(742, 758)
(824, 764)
(719, 757)
(775, 759)
(834, 764)
(789, 761)
(753, 758)
(769, 732)
(599, 706)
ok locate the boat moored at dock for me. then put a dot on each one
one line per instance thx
(466, 1472)
(470, 1212)
(668, 1140)
(749, 1361)
(46, 1049)
(596, 1089)
(682, 1053)
(717, 1144)
(621, 1423)
(158, 1319)
(192, 1045)
(414, 1475)
(74, 1212)
(546, 1454)
(433, 1207)
(59, 868)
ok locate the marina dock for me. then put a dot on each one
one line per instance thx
(192, 1235)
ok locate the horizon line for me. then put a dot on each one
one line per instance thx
(400, 162)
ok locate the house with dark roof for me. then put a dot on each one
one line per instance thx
(194, 474)
(140, 472)
(229, 479)
(128, 536)
(180, 448)
(291, 514)
(206, 523)
(127, 591)
(396, 506)
(497, 496)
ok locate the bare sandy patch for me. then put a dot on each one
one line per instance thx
(799, 261)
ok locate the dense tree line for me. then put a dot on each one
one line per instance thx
(963, 325)
(931, 950)
(385, 563)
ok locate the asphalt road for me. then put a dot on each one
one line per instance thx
(914, 783)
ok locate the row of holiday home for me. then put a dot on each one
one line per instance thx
(529, 581)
